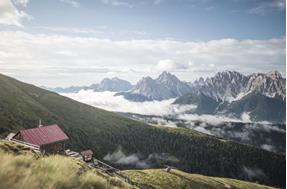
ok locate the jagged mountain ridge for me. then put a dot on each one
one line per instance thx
(226, 86)
(165, 86)
(261, 96)
(271, 84)
(231, 85)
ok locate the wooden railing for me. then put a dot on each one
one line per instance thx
(116, 172)
(33, 146)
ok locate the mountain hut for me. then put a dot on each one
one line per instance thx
(51, 139)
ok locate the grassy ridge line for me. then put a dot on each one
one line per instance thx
(175, 179)
(22, 105)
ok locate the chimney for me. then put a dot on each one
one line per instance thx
(40, 123)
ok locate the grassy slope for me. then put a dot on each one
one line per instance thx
(22, 105)
(21, 168)
(161, 179)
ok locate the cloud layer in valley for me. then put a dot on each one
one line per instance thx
(107, 100)
(118, 157)
(139, 161)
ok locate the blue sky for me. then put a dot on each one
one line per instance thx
(48, 42)
(176, 19)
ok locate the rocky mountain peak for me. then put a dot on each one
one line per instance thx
(146, 79)
(167, 77)
(274, 74)
(228, 75)
(198, 83)
(114, 84)
(165, 86)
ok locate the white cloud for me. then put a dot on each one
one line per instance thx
(266, 6)
(268, 147)
(131, 3)
(209, 119)
(170, 65)
(202, 129)
(66, 53)
(118, 157)
(136, 159)
(21, 2)
(253, 173)
(71, 2)
(107, 101)
(70, 30)
(220, 119)
(246, 117)
(125, 3)
(42, 59)
(10, 15)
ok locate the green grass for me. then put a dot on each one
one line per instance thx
(16, 149)
(21, 168)
(22, 105)
(25, 170)
(175, 179)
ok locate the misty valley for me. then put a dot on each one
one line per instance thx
(267, 136)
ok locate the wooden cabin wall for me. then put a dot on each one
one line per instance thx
(54, 148)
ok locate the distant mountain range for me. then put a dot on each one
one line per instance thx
(261, 96)
(115, 85)
(258, 97)
(231, 86)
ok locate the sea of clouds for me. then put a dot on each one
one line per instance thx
(106, 100)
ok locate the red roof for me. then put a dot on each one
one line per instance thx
(44, 135)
